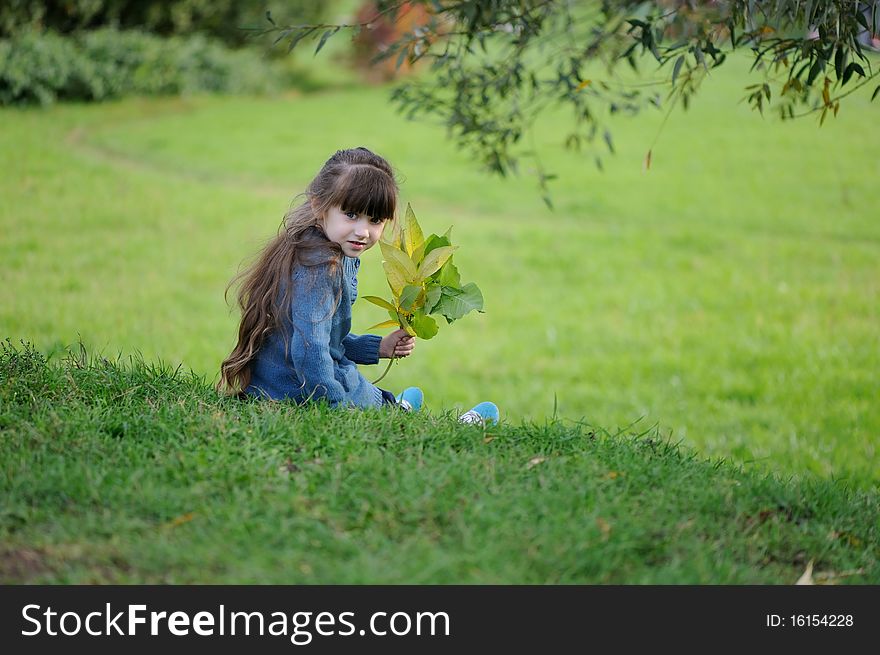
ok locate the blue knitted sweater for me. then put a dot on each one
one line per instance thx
(315, 356)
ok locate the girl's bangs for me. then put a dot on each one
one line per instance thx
(366, 190)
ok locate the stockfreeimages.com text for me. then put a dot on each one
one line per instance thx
(300, 627)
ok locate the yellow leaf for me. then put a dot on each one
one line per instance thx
(392, 236)
(405, 325)
(419, 253)
(583, 85)
(383, 325)
(412, 232)
(395, 280)
(534, 461)
(434, 260)
(384, 304)
(400, 259)
(648, 161)
(831, 577)
(180, 520)
(399, 268)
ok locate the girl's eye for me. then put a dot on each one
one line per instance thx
(351, 215)
(377, 221)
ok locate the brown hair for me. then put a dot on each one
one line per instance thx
(355, 180)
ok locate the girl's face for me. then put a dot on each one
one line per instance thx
(354, 232)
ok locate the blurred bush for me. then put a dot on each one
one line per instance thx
(220, 19)
(377, 39)
(107, 63)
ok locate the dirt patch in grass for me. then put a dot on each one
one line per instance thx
(20, 565)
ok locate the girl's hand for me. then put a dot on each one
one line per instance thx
(397, 344)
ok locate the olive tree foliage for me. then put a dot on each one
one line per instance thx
(497, 65)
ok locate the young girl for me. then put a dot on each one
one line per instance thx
(294, 340)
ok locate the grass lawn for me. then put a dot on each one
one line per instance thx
(727, 297)
(125, 472)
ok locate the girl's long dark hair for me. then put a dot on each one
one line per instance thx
(355, 180)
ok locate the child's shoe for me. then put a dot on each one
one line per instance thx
(485, 413)
(410, 399)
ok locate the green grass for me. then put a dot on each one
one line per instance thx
(133, 472)
(728, 297)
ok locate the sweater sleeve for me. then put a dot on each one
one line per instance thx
(312, 313)
(362, 349)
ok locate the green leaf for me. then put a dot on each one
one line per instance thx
(379, 301)
(424, 326)
(433, 295)
(449, 276)
(876, 92)
(409, 297)
(434, 260)
(433, 242)
(456, 303)
(412, 231)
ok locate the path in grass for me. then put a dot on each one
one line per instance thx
(730, 296)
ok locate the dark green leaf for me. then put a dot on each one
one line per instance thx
(299, 37)
(433, 295)
(814, 70)
(698, 53)
(853, 67)
(608, 141)
(676, 68)
(326, 35)
(876, 92)
(284, 34)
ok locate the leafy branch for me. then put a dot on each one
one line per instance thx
(424, 282)
(497, 66)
